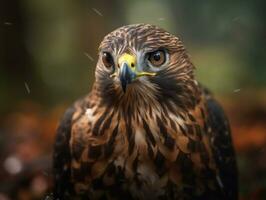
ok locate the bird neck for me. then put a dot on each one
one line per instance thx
(143, 99)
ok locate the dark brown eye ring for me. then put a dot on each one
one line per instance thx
(157, 58)
(107, 59)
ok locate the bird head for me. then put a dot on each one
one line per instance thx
(143, 61)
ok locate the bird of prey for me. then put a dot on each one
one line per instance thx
(147, 130)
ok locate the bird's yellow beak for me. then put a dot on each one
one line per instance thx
(130, 60)
(128, 71)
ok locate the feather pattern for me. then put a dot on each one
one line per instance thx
(165, 138)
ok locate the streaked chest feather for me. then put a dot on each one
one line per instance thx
(141, 155)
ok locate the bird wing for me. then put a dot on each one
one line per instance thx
(222, 149)
(62, 155)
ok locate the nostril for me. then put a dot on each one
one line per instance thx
(132, 65)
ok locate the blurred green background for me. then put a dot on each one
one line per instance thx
(49, 51)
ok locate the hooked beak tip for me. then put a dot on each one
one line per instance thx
(126, 76)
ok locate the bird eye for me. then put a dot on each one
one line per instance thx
(157, 58)
(107, 59)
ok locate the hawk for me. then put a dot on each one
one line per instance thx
(147, 130)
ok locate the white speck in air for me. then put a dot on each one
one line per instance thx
(88, 56)
(8, 23)
(161, 19)
(27, 87)
(45, 173)
(219, 181)
(237, 90)
(97, 11)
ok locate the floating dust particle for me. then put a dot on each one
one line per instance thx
(97, 11)
(45, 173)
(237, 90)
(161, 19)
(27, 87)
(88, 56)
(8, 23)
